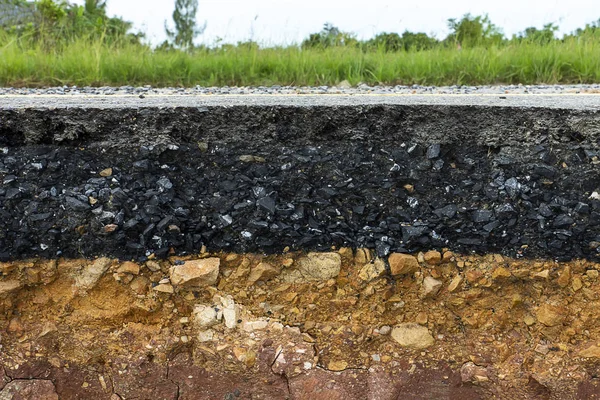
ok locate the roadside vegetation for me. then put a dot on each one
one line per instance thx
(57, 43)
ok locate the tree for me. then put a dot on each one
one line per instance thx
(590, 32)
(472, 31)
(407, 42)
(330, 36)
(539, 36)
(186, 29)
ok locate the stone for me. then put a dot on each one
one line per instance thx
(422, 318)
(23, 389)
(204, 316)
(431, 286)
(153, 266)
(473, 275)
(206, 336)
(106, 172)
(346, 253)
(447, 257)
(196, 273)
(550, 315)
(542, 274)
(251, 326)
(87, 277)
(110, 228)
(385, 329)
(320, 266)
(564, 278)
(472, 373)
(412, 336)
(337, 365)
(164, 288)
(140, 284)
(372, 270)
(577, 284)
(9, 286)
(501, 273)
(129, 267)
(433, 257)
(455, 283)
(433, 151)
(262, 272)
(362, 256)
(529, 319)
(590, 352)
(231, 312)
(402, 264)
(247, 158)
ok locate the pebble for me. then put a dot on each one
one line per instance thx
(564, 278)
(372, 270)
(164, 288)
(320, 266)
(204, 316)
(87, 277)
(106, 172)
(433, 257)
(431, 286)
(196, 273)
(385, 329)
(9, 286)
(551, 315)
(455, 283)
(262, 272)
(412, 336)
(129, 267)
(230, 312)
(402, 264)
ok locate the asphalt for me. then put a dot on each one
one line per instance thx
(130, 176)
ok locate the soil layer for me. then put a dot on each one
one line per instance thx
(338, 325)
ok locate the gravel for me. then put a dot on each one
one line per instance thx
(285, 90)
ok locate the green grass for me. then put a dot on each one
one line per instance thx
(93, 63)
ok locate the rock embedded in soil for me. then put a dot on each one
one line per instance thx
(433, 257)
(320, 266)
(412, 336)
(551, 315)
(402, 264)
(196, 273)
(88, 275)
(24, 389)
(431, 286)
(372, 270)
(262, 272)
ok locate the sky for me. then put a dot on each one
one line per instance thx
(272, 22)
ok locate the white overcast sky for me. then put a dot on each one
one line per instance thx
(286, 21)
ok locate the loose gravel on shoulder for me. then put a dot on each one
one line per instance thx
(282, 90)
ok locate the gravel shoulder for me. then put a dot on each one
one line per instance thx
(564, 99)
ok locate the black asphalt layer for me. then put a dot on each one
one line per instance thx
(128, 177)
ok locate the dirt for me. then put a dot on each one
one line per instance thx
(501, 328)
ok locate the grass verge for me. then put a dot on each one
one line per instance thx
(85, 63)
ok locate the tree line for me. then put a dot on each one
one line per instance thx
(56, 22)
